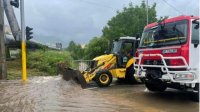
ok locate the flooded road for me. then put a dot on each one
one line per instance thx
(52, 94)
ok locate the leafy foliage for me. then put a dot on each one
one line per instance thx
(75, 50)
(129, 22)
(47, 61)
(96, 47)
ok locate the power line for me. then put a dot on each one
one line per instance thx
(157, 2)
(100, 5)
(147, 3)
(97, 4)
(172, 6)
(191, 4)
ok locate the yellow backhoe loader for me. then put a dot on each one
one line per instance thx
(118, 64)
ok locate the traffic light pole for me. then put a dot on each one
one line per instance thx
(23, 41)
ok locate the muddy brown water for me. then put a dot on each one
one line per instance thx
(53, 94)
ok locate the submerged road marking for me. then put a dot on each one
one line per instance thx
(96, 87)
(90, 88)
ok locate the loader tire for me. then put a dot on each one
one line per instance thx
(103, 78)
(129, 77)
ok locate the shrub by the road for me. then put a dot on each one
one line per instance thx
(47, 61)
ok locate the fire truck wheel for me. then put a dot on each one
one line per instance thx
(153, 74)
(195, 97)
(155, 85)
(129, 77)
(103, 78)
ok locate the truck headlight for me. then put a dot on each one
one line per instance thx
(184, 77)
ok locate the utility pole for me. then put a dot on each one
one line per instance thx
(23, 43)
(3, 66)
(12, 20)
(147, 12)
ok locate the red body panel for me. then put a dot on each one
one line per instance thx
(182, 50)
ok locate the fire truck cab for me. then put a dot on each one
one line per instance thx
(168, 55)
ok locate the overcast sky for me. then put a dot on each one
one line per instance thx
(80, 20)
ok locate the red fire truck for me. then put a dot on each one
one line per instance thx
(168, 55)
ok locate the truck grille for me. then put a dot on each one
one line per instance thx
(155, 62)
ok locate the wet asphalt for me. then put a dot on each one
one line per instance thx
(53, 94)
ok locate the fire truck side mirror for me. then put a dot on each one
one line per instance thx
(196, 43)
(137, 36)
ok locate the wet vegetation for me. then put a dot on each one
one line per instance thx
(15, 68)
(47, 61)
(39, 63)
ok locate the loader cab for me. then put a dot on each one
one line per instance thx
(124, 48)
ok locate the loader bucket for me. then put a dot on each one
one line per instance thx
(75, 75)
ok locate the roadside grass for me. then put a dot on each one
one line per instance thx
(39, 63)
(14, 69)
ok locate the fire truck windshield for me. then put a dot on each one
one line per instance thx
(174, 33)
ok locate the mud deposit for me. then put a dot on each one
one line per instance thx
(53, 94)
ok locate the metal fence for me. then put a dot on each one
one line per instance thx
(81, 65)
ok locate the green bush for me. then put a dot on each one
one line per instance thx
(47, 61)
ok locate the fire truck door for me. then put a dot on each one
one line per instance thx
(194, 51)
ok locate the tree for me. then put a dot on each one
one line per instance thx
(71, 46)
(129, 22)
(96, 47)
(75, 50)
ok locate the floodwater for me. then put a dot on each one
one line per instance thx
(53, 94)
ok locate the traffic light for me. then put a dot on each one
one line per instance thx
(29, 33)
(15, 3)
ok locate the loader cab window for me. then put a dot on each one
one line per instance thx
(126, 53)
(116, 47)
(127, 49)
(124, 50)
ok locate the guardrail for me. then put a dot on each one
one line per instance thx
(165, 68)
